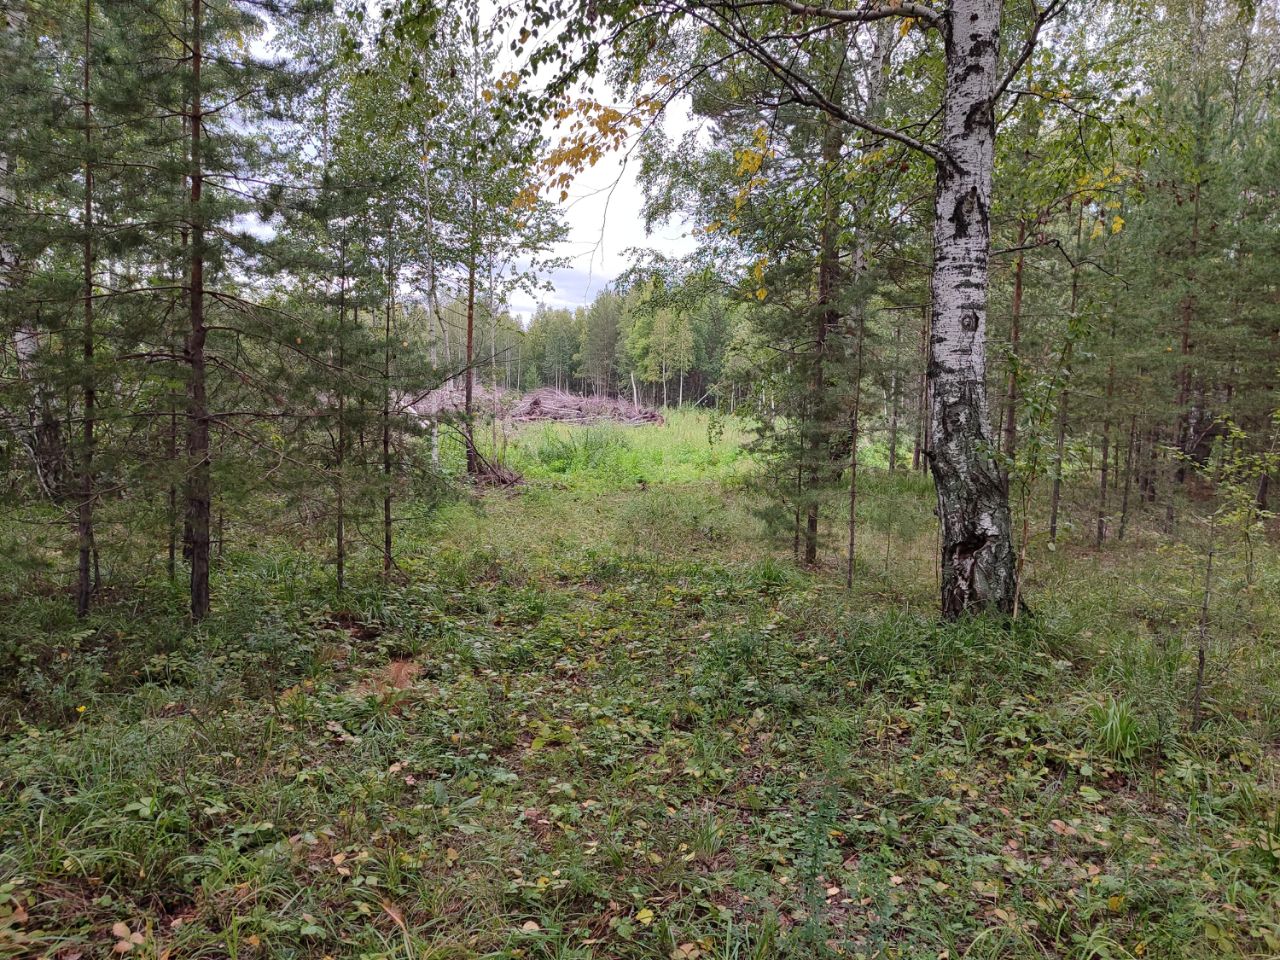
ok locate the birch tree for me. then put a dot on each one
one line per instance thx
(978, 563)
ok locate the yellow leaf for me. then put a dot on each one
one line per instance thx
(644, 917)
(1117, 223)
(392, 911)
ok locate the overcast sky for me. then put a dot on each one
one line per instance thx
(603, 214)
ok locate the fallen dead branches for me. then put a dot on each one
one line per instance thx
(558, 405)
(546, 403)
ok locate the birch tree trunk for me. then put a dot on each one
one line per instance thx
(977, 543)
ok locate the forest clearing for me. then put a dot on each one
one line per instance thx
(593, 718)
(639, 479)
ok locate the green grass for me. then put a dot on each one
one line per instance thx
(689, 448)
(600, 719)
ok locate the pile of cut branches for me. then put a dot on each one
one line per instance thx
(548, 403)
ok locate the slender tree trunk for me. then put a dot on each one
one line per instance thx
(387, 556)
(1186, 426)
(919, 452)
(973, 505)
(340, 464)
(171, 447)
(1059, 458)
(828, 317)
(795, 536)
(9, 22)
(1148, 447)
(893, 399)
(199, 495)
(433, 300)
(171, 455)
(1128, 478)
(854, 427)
(473, 463)
(84, 512)
(1101, 533)
(1009, 446)
(1202, 639)
(1115, 464)
(492, 307)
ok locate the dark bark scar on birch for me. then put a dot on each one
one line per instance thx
(964, 560)
(964, 209)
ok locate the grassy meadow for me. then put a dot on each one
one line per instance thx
(605, 715)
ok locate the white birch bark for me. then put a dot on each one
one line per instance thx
(977, 547)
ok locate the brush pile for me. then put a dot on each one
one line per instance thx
(548, 403)
(493, 473)
(451, 398)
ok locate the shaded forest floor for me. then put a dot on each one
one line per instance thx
(606, 717)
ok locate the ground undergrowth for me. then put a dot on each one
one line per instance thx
(610, 720)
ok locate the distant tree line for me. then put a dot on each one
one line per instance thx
(638, 344)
